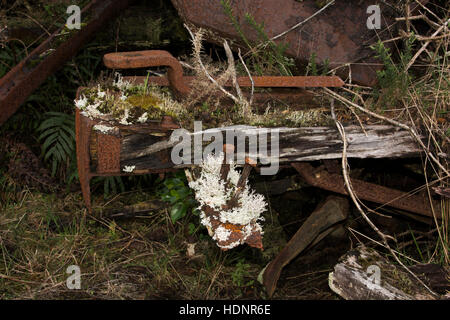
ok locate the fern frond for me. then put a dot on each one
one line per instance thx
(57, 134)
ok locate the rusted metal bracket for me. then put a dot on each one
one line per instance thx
(320, 178)
(24, 78)
(151, 58)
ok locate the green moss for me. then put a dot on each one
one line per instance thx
(147, 102)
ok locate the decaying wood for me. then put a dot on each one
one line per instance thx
(363, 274)
(295, 144)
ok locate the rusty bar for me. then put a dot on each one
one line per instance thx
(268, 81)
(367, 191)
(22, 80)
(150, 58)
(108, 153)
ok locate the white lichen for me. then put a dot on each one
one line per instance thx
(230, 246)
(128, 169)
(211, 191)
(123, 120)
(221, 234)
(81, 102)
(143, 118)
(103, 128)
(120, 83)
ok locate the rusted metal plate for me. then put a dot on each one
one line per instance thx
(108, 153)
(339, 33)
(368, 191)
(24, 78)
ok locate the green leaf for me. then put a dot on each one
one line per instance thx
(178, 211)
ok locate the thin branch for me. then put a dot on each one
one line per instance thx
(303, 22)
(425, 45)
(249, 76)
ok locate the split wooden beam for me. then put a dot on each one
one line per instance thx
(294, 144)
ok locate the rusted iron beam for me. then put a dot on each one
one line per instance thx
(268, 81)
(24, 78)
(320, 178)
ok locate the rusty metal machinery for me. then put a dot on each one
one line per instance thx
(108, 146)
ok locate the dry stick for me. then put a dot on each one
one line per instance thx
(356, 202)
(249, 76)
(428, 10)
(409, 18)
(202, 66)
(408, 23)
(302, 22)
(232, 70)
(379, 243)
(391, 121)
(425, 45)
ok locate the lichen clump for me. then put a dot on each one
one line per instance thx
(233, 226)
(126, 103)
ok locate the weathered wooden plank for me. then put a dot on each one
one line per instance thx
(294, 144)
(363, 274)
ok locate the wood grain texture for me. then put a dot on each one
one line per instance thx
(295, 144)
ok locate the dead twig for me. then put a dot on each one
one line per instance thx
(425, 45)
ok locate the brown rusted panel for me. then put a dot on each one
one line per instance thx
(368, 191)
(108, 153)
(23, 79)
(339, 33)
